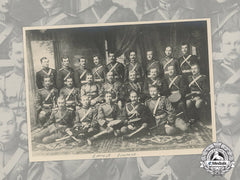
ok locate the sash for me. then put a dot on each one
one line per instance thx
(96, 72)
(172, 82)
(4, 171)
(68, 74)
(167, 63)
(49, 94)
(69, 94)
(84, 72)
(134, 67)
(56, 19)
(85, 115)
(106, 16)
(62, 118)
(195, 81)
(228, 68)
(185, 60)
(49, 72)
(134, 87)
(156, 106)
(175, 16)
(113, 67)
(234, 78)
(5, 33)
(225, 20)
(132, 112)
(154, 82)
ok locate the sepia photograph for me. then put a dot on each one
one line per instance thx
(119, 90)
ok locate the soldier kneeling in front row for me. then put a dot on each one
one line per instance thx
(164, 113)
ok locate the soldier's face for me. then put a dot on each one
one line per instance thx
(89, 79)
(61, 103)
(16, 54)
(195, 69)
(108, 98)
(171, 70)
(149, 55)
(47, 82)
(69, 83)
(96, 60)
(49, 4)
(184, 49)
(8, 127)
(4, 6)
(82, 62)
(133, 97)
(85, 101)
(231, 45)
(111, 57)
(132, 56)
(153, 73)
(153, 92)
(65, 62)
(132, 76)
(45, 63)
(168, 51)
(228, 109)
(110, 77)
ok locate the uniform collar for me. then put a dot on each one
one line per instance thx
(9, 146)
(54, 11)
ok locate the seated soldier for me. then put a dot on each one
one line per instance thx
(46, 100)
(199, 92)
(91, 89)
(85, 124)
(178, 89)
(108, 118)
(59, 124)
(137, 116)
(70, 94)
(154, 80)
(164, 113)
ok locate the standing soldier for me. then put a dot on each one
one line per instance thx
(99, 71)
(186, 60)
(80, 73)
(134, 65)
(199, 92)
(63, 73)
(151, 62)
(70, 93)
(169, 60)
(59, 124)
(46, 100)
(54, 14)
(115, 67)
(105, 11)
(45, 71)
(169, 10)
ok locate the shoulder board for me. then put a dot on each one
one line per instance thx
(150, 11)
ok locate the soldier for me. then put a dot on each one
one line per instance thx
(105, 11)
(99, 71)
(113, 86)
(80, 73)
(59, 124)
(169, 10)
(63, 73)
(116, 67)
(91, 90)
(85, 124)
(152, 62)
(225, 16)
(109, 118)
(186, 60)
(9, 28)
(14, 162)
(54, 14)
(227, 70)
(164, 113)
(168, 60)
(70, 94)
(45, 71)
(46, 100)
(153, 79)
(134, 65)
(199, 92)
(137, 117)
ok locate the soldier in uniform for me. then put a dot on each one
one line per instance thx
(199, 92)
(116, 67)
(169, 10)
(168, 60)
(98, 71)
(109, 118)
(105, 11)
(186, 60)
(137, 117)
(70, 93)
(80, 73)
(59, 124)
(91, 89)
(54, 14)
(134, 65)
(45, 71)
(14, 163)
(46, 100)
(85, 124)
(153, 79)
(152, 62)
(227, 70)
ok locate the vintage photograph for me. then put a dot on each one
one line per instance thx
(119, 90)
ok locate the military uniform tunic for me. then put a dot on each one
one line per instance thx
(185, 64)
(176, 83)
(137, 67)
(80, 76)
(62, 75)
(99, 73)
(52, 73)
(114, 88)
(161, 83)
(169, 61)
(117, 69)
(71, 96)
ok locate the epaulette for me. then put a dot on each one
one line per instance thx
(150, 11)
